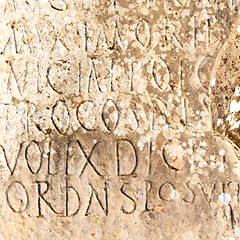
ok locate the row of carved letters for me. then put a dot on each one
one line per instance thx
(62, 5)
(131, 202)
(61, 118)
(18, 43)
(124, 190)
(33, 149)
(74, 159)
(88, 79)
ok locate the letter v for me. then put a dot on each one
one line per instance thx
(7, 160)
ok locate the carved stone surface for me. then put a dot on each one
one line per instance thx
(119, 119)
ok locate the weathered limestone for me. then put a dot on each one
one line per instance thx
(119, 119)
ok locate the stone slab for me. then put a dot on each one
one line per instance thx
(119, 119)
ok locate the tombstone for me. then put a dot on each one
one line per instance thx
(120, 119)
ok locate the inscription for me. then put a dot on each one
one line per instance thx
(83, 196)
(17, 192)
(86, 115)
(105, 110)
(60, 117)
(41, 197)
(14, 162)
(33, 156)
(143, 33)
(94, 192)
(110, 115)
(162, 80)
(131, 199)
(68, 197)
(126, 156)
(73, 199)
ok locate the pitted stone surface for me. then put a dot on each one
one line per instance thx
(119, 119)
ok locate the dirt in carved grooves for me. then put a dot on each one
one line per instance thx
(116, 118)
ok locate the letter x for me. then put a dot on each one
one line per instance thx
(88, 159)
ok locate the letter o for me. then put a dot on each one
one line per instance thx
(167, 191)
(13, 192)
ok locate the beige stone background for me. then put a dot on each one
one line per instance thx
(119, 119)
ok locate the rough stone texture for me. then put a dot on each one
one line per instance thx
(119, 119)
